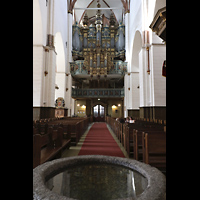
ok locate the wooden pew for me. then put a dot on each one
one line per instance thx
(138, 125)
(66, 131)
(48, 143)
(116, 126)
(42, 127)
(65, 137)
(127, 139)
(137, 141)
(76, 127)
(120, 135)
(35, 130)
(154, 150)
(48, 146)
(126, 136)
(43, 147)
(137, 144)
(75, 135)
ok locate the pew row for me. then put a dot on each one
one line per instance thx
(154, 150)
(49, 146)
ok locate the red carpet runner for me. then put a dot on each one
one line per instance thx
(99, 141)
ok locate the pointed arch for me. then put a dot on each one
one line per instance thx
(94, 15)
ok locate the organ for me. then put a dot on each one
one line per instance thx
(98, 48)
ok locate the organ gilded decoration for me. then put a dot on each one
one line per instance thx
(98, 50)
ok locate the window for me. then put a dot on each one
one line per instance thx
(101, 111)
(96, 111)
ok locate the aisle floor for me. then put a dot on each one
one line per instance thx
(74, 150)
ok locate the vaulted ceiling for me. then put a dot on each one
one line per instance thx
(117, 6)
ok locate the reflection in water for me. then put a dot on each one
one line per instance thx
(99, 182)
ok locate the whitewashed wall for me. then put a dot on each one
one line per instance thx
(133, 23)
(56, 63)
(152, 88)
(159, 84)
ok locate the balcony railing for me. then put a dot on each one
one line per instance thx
(98, 92)
(77, 68)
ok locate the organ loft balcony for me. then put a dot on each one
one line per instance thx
(97, 93)
(97, 88)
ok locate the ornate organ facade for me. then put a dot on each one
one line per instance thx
(98, 49)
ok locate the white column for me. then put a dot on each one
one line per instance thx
(142, 82)
(50, 88)
(49, 65)
(126, 92)
(127, 77)
(134, 90)
(50, 17)
(38, 73)
(69, 102)
(145, 79)
(127, 47)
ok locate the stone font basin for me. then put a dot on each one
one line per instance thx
(95, 177)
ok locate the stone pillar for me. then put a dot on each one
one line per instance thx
(49, 61)
(127, 77)
(69, 102)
